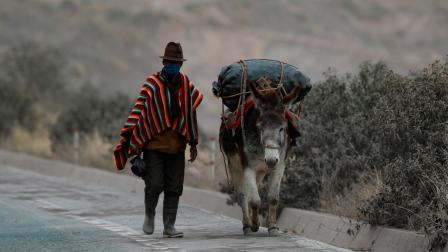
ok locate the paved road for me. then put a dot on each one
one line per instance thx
(41, 213)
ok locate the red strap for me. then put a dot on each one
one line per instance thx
(292, 118)
(250, 103)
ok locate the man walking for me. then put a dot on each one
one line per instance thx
(161, 123)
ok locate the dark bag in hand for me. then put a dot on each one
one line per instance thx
(138, 166)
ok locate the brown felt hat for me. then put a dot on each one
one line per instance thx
(173, 51)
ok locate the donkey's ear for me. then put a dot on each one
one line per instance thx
(253, 87)
(292, 95)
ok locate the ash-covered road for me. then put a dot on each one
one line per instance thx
(42, 213)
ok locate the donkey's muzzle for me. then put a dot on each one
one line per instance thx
(271, 157)
(271, 163)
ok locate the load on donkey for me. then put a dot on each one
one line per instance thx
(258, 129)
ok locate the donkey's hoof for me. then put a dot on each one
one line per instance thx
(254, 228)
(273, 231)
(246, 230)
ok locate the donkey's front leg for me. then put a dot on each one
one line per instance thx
(275, 178)
(246, 214)
(252, 199)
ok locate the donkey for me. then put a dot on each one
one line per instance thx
(262, 155)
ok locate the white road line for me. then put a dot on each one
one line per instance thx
(153, 243)
(317, 244)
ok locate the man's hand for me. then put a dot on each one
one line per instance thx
(193, 153)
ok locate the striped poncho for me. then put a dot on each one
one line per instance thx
(150, 116)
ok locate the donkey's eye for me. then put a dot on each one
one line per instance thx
(281, 130)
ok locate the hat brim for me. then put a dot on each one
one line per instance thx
(172, 58)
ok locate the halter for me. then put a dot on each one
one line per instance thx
(272, 147)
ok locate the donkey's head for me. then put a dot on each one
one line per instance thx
(272, 123)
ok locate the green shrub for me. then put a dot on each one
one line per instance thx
(29, 74)
(35, 69)
(16, 108)
(412, 130)
(89, 111)
(381, 121)
(335, 146)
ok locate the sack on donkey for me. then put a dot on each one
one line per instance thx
(273, 71)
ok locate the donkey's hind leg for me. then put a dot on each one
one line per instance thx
(237, 175)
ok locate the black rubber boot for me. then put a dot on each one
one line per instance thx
(170, 206)
(150, 212)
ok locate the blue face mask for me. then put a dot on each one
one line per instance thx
(171, 70)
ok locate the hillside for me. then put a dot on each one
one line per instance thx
(114, 44)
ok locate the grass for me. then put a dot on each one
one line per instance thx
(348, 203)
(36, 142)
(94, 151)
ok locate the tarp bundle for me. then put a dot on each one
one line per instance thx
(229, 79)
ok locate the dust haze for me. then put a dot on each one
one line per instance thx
(114, 44)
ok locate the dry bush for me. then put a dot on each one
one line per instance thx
(347, 204)
(35, 142)
(93, 151)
